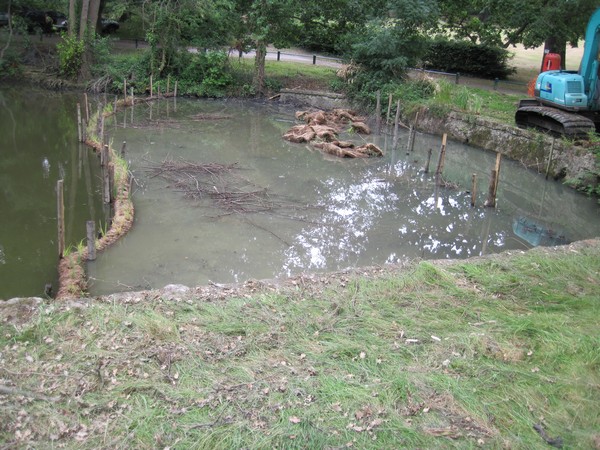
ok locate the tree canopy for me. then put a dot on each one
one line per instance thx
(383, 36)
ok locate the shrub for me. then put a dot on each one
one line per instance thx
(70, 54)
(466, 57)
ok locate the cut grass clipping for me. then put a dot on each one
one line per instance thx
(501, 352)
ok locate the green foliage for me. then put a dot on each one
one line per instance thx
(484, 61)
(70, 53)
(210, 72)
(10, 63)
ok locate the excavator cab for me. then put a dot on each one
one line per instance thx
(566, 102)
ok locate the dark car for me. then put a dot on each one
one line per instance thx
(46, 21)
(108, 26)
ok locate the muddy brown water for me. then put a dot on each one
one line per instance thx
(328, 214)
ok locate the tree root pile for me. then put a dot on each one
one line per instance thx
(322, 128)
(218, 183)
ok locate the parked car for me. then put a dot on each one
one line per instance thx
(46, 21)
(108, 26)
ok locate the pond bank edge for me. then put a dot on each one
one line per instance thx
(72, 279)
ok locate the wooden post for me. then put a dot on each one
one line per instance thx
(111, 183)
(90, 227)
(550, 158)
(125, 89)
(413, 133)
(132, 96)
(175, 92)
(378, 112)
(491, 200)
(79, 127)
(115, 109)
(389, 111)
(440, 166)
(397, 121)
(168, 83)
(473, 189)
(106, 184)
(426, 170)
(87, 107)
(98, 116)
(410, 136)
(60, 216)
(497, 168)
(123, 148)
(104, 156)
(151, 87)
(101, 129)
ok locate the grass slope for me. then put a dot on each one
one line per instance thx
(435, 355)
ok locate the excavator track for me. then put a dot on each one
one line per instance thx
(554, 120)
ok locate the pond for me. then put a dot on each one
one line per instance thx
(315, 212)
(38, 146)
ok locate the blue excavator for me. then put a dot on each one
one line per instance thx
(567, 103)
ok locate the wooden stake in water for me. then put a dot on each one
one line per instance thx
(60, 216)
(90, 227)
(102, 129)
(79, 127)
(429, 152)
(151, 87)
(389, 111)
(168, 83)
(125, 89)
(123, 148)
(87, 107)
(550, 158)
(440, 166)
(396, 122)
(497, 168)
(410, 137)
(175, 92)
(413, 132)
(378, 112)
(491, 200)
(473, 189)
(111, 183)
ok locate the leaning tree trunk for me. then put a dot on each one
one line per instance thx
(259, 68)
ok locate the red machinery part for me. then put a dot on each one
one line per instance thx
(551, 62)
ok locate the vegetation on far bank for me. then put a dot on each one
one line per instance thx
(499, 352)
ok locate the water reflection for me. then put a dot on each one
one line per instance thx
(39, 146)
(360, 212)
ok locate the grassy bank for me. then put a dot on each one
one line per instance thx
(430, 355)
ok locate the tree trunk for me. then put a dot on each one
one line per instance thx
(259, 68)
(93, 15)
(72, 22)
(85, 7)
